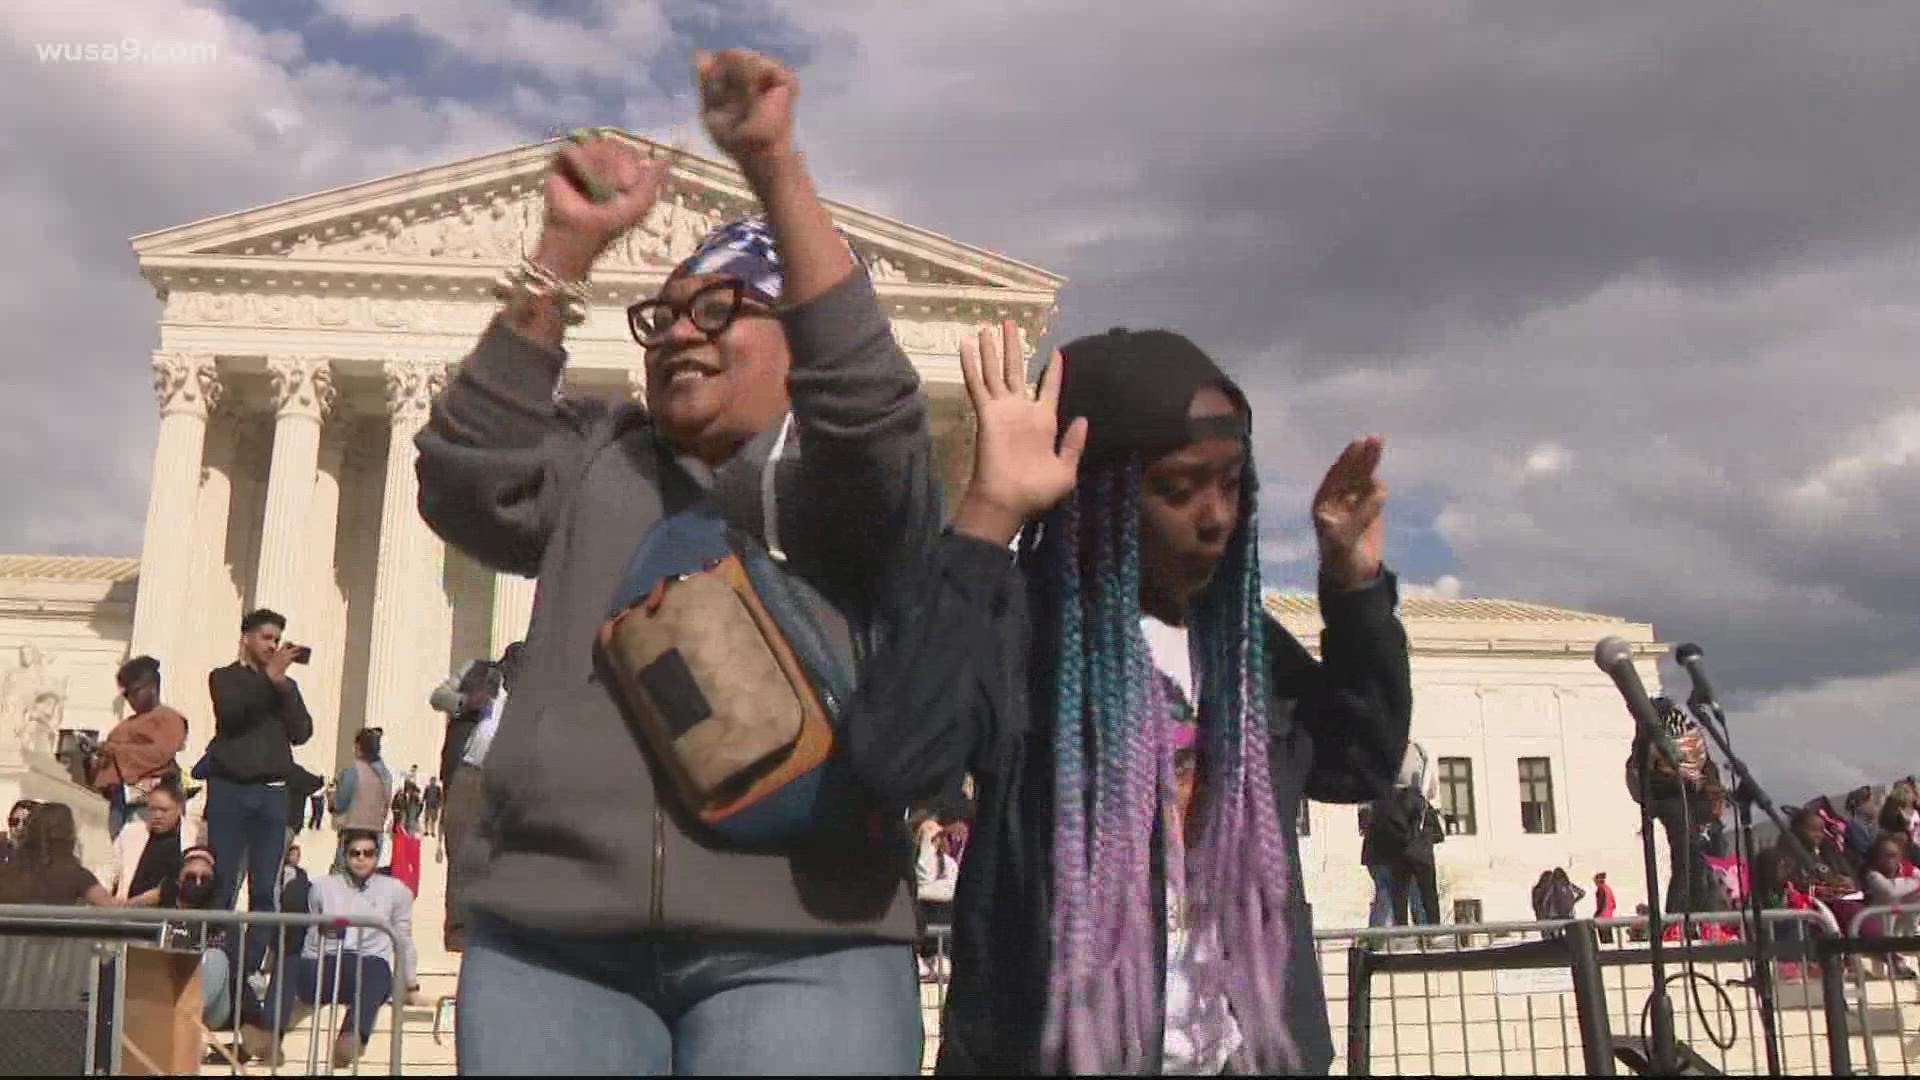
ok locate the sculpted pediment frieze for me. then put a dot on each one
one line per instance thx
(489, 217)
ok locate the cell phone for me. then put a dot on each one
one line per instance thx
(303, 654)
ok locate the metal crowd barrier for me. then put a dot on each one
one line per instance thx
(1871, 938)
(1571, 997)
(60, 962)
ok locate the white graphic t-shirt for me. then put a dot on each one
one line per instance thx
(1200, 1035)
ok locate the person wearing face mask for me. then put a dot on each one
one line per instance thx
(193, 888)
(608, 931)
(147, 856)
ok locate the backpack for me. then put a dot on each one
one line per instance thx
(735, 688)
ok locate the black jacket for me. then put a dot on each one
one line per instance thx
(256, 725)
(949, 690)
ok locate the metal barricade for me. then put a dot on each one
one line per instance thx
(1558, 998)
(87, 958)
(1889, 1029)
(1531, 998)
(936, 971)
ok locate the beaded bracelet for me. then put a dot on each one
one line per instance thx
(531, 281)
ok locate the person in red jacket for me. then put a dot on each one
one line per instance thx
(1603, 903)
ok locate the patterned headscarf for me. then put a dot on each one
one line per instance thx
(744, 249)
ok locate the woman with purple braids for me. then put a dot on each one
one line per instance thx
(1100, 926)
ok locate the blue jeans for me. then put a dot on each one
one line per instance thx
(1380, 912)
(216, 992)
(247, 829)
(362, 985)
(685, 1004)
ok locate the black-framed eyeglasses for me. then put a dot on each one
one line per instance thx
(362, 853)
(712, 308)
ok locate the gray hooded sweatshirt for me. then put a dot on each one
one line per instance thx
(564, 491)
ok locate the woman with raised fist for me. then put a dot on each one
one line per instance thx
(609, 932)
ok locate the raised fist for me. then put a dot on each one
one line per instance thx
(597, 187)
(746, 101)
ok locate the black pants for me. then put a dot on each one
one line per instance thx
(1690, 884)
(1409, 875)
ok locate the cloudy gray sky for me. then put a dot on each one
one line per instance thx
(1631, 288)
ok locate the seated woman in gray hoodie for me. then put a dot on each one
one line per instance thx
(610, 932)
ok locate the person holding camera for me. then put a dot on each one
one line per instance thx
(258, 718)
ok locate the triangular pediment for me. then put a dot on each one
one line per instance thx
(485, 211)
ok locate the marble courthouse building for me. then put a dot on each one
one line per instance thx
(298, 348)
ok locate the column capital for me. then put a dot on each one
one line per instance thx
(411, 387)
(302, 386)
(186, 383)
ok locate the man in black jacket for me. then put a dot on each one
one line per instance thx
(258, 718)
(1088, 929)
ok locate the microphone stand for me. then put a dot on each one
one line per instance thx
(1663, 1055)
(1747, 793)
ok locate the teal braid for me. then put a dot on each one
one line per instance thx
(1058, 555)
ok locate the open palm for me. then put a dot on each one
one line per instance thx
(1347, 513)
(1022, 464)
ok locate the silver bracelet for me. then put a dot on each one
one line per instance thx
(529, 282)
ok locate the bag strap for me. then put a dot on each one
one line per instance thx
(769, 492)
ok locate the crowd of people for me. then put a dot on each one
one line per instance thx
(255, 799)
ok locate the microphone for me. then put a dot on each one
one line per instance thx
(1691, 657)
(1614, 656)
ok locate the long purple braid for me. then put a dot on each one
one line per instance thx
(1244, 868)
(1111, 721)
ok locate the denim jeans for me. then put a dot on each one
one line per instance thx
(360, 985)
(119, 814)
(247, 829)
(685, 1004)
(1380, 912)
(216, 993)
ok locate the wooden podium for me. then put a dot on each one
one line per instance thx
(160, 1016)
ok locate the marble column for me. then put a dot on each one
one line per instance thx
(303, 394)
(412, 626)
(188, 388)
(512, 611)
(323, 611)
(214, 602)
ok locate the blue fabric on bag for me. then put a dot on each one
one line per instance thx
(697, 538)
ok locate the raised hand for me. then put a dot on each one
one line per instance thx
(597, 187)
(1347, 516)
(746, 102)
(1022, 463)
